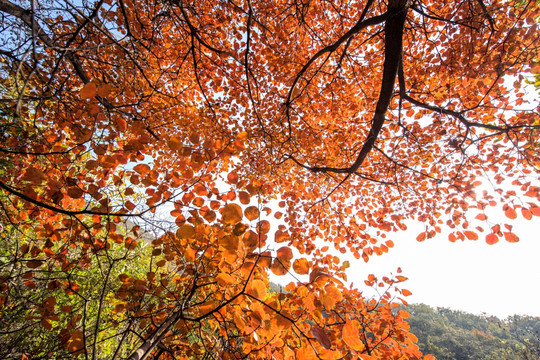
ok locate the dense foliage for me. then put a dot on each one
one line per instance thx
(456, 335)
(159, 159)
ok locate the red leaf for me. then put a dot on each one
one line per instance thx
(34, 264)
(320, 335)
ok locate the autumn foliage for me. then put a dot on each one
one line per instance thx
(160, 159)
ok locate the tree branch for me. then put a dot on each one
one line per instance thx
(394, 26)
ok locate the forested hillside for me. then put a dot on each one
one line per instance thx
(457, 335)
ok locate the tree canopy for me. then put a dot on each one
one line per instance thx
(161, 158)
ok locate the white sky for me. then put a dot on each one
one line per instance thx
(501, 279)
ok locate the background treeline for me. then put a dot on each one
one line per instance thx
(457, 335)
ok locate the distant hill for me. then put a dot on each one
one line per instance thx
(457, 335)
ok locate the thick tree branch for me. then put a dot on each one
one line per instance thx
(395, 22)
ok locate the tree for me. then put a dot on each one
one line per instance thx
(450, 334)
(197, 120)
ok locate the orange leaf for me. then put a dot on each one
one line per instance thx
(175, 144)
(471, 235)
(209, 215)
(282, 322)
(242, 136)
(231, 214)
(244, 197)
(492, 239)
(510, 213)
(511, 237)
(281, 236)
(257, 289)
(406, 292)
(301, 266)
(185, 231)
(280, 268)
(239, 322)
(481, 217)
(89, 90)
(142, 169)
(232, 177)
(230, 243)
(224, 279)
(527, 214)
(284, 254)
(263, 226)
(104, 90)
(351, 335)
(251, 213)
(421, 236)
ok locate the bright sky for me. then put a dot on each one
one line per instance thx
(501, 279)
